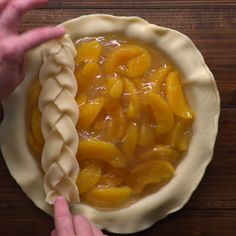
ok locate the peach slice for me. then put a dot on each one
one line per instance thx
(181, 134)
(110, 80)
(110, 104)
(83, 82)
(176, 98)
(151, 172)
(162, 113)
(89, 112)
(113, 177)
(110, 197)
(115, 125)
(163, 152)
(88, 178)
(129, 142)
(36, 147)
(81, 99)
(100, 123)
(86, 75)
(146, 136)
(91, 70)
(93, 162)
(101, 150)
(139, 65)
(36, 125)
(133, 110)
(33, 95)
(89, 51)
(129, 87)
(116, 89)
(157, 78)
(129, 60)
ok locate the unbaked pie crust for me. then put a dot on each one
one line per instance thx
(200, 89)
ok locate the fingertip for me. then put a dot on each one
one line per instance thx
(33, 38)
(59, 200)
(60, 206)
(61, 30)
(58, 31)
(62, 216)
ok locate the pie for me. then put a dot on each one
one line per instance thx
(119, 116)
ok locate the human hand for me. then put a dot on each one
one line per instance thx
(67, 225)
(13, 46)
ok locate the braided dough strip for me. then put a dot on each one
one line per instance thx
(60, 114)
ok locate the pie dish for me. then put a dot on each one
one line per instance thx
(200, 89)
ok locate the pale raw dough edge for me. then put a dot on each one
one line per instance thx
(201, 91)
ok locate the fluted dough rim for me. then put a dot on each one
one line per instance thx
(200, 89)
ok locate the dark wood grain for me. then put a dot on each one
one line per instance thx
(139, 4)
(212, 27)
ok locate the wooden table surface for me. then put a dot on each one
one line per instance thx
(212, 27)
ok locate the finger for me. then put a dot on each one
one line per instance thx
(96, 231)
(35, 37)
(53, 233)
(15, 46)
(62, 218)
(15, 10)
(82, 226)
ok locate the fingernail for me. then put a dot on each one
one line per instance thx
(59, 199)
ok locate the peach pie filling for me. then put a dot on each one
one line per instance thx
(134, 124)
